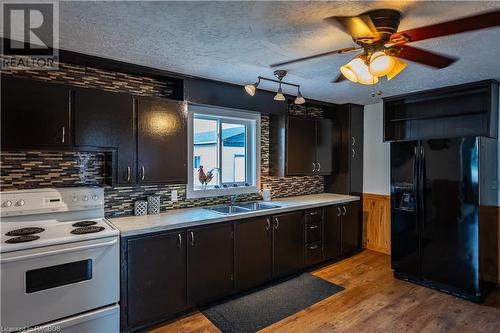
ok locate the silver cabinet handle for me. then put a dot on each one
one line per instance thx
(313, 247)
(319, 166)
(277, 223)
(339, 212)
(180, 240)
(192, 238)
(314, 167)
(314, 226)
(128, 173)
(353, 140)
(344, 210)
(313, 213)
(353, 153)
(143, 172)
(268, 226)
(63, 134)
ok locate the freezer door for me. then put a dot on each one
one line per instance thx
(405, 252)
(449, 192)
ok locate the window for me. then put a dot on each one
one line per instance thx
(224, 150)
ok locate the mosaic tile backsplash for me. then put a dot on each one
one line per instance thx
(35, 169)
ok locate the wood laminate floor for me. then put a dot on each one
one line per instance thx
(373, 301)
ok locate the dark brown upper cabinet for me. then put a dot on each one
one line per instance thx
(301, 146)
(161, 141)
(465, 110)
(35, 114)
(107, 120)
(347, 178)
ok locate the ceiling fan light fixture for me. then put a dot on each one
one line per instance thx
(300, 99)
(279, 95)
(361, 73)
(398, 68)
(381, 64)
(348, 73)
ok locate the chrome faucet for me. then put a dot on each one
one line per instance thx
(233, 199)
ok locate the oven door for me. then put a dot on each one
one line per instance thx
(45, 284)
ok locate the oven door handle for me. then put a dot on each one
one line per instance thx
(66, 250)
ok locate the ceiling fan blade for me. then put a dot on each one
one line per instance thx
(359, 27)
(422, 56)
(324, 54)
(338, 79)
(476, 22)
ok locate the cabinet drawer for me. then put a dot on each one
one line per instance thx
(314, 215)
(313, 232)
(314, 254)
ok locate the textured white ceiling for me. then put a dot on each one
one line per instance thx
(237, 41)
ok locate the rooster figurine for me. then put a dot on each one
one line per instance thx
(205, 178)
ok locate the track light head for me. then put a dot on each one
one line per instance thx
(251, 88)
(300, 99)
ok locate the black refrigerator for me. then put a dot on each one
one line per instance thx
(444, 232)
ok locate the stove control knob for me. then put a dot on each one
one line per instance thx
(95, 197)
(85, 198)
(20, 203)
(7, 203)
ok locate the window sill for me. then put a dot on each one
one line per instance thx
(192, 194)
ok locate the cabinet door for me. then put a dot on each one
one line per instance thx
(324, 146)
(162, 141)
(288, 243)
(35, 114)
(253, 252)
(210, 263)
(351, 227)
(301, 146)
(107, 119)
(332, 231)
(356, 150)
(156, 285)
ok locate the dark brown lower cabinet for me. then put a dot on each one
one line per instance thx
(156, 274)
(209, 263)
(351, 227)
(253, 252)
(332, 232)
(288, 243)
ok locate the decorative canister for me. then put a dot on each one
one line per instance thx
(154, 204)
(140, 207)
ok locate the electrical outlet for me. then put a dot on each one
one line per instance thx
(173, 195)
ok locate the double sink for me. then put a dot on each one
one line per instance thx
(243, 207)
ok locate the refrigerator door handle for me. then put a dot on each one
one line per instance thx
(421, 184)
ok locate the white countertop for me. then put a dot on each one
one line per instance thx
(190, 217)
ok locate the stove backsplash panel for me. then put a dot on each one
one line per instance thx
(36, 169)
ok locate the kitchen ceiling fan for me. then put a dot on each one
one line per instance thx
(382, 47)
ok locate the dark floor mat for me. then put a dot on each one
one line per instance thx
(259, 309)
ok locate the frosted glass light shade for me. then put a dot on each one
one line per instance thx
(381, 64)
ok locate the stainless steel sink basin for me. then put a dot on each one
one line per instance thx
(257, 205)
(241, 208)
(228, 209)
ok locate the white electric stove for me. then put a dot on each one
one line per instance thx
(59, 261)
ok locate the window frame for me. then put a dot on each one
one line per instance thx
(252, 151)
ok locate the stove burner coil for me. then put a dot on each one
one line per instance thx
(84, 224)
(25, 231)
(22, 239)
(87, 230)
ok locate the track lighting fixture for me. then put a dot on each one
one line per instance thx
(280, 74)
